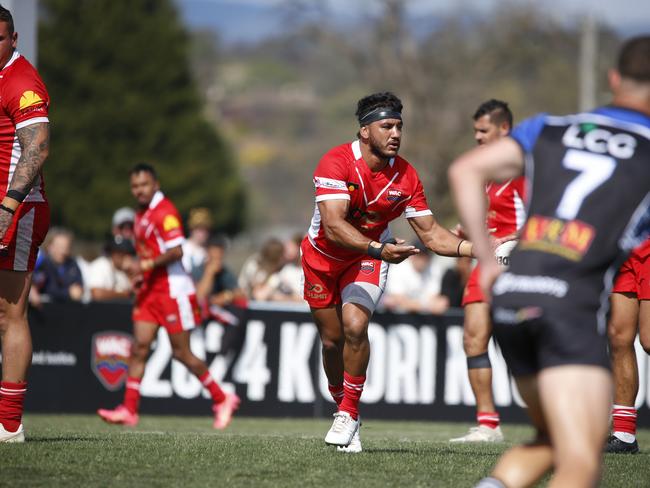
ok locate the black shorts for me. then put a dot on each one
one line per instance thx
(549, 339)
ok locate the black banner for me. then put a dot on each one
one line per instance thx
(272, 360)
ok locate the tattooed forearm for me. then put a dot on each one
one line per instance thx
(35, 144)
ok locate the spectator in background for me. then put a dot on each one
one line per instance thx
(58, 274)
(291, 277)
(454, 281)
(260, 275)
(218, 285)
(123, 220)
(414, 285)
(107, 278)
(195, 255)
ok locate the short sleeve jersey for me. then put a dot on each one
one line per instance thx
(158, 228)
(506, 210)
(23, 101)
(376, 198)
(589, 206)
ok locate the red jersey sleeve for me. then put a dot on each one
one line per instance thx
(417, 206)
(331, 177)
(25, 98)
(170, 229)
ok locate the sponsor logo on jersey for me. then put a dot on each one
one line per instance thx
(598, 140)
(110, 354)
(367, 267)
(321, 182)
(545, 285)
(569, 239)
(393, 195)
(171, 222)
(29, 99)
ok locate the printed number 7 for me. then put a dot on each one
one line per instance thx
(594, 170)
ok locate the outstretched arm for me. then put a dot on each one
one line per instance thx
(438, 239)
(34, 143)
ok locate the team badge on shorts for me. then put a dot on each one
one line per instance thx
(110, 355)
(367, 267)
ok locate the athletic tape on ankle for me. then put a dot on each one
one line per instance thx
(478, 362)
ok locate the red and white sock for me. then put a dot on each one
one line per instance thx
(212, 386)
(352, 389)
(624, 422)
(488, 419)
(336, 392)
(12, 398)
(132, 394)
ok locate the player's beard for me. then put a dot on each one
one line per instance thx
(377, 149)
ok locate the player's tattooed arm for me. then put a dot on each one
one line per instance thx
(34, 142)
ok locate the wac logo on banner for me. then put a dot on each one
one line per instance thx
(110, 355)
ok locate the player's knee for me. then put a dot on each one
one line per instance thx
(355, 329)
(331, 345)
(474, 343)
(140, 350)
(620, 336)
(586, 461)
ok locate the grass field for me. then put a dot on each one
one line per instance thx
(76, 450)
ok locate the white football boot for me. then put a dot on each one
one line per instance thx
(18, 436)
(355, 443)
(342, 430)
(481, 434)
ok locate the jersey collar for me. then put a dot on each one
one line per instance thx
(157, 198)
(12, 59)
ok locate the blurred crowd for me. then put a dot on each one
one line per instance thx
(425, 283)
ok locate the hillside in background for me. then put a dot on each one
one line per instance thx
(283, 101)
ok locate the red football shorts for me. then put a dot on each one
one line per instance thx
(473, 292)
(174, 314)
(25, 234)
(329, 282)
(634, 276)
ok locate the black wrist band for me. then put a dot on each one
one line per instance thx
(7, 209)
(375, 252)
(458, 249)
(16, 195)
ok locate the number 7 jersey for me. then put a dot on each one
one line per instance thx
(589, 176)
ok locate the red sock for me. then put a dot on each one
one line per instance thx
(624, 419)
(12, 397)
(336, 392)
(489, 419)
(132, 394)
(216, 393)
(352, 389)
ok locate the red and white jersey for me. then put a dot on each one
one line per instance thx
(376, 198)
(158, 229)
(23, 101)
(506, 210)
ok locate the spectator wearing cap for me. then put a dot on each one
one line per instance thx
(57, 274)
(123, 221)
(107, 278)
(195, 253)
(414, 285)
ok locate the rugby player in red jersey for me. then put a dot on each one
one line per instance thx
(165, 297)
(505, 216)
(24, 216)
(630, 302)
(360, 187)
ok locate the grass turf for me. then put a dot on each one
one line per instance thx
(80, 450)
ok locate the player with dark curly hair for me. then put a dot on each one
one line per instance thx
(360, 187)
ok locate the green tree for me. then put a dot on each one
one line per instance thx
(119, 79)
